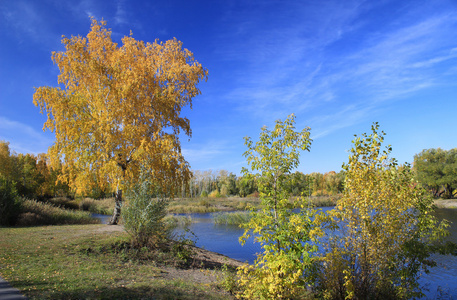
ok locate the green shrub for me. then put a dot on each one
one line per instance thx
(204, 194)
(144, 216)
(227, 280)
(10, 203)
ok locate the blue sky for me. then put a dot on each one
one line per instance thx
(337, 65)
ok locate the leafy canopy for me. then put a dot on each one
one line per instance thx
(118, 108)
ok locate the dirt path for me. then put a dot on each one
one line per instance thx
(7, 292)
(446, 203)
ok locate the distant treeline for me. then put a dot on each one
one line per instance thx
(33, 177)
(222, 183)
(436, 169)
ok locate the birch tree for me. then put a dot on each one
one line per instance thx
(118, 108)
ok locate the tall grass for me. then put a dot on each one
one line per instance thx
(174, 221)
(322, 201)
(102, 206)
(232, 218)
(36, 213)
(207, 204)
(63, 202)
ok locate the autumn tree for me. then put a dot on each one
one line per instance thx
(281, 271)
(118, 109)
(382, 231)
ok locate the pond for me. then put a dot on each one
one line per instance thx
(441, 282)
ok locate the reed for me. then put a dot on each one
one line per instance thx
(102, 206)
(35, 213)
(232, 218)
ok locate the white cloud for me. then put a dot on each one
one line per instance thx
(24, 138)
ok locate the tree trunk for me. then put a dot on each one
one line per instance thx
(117, 208)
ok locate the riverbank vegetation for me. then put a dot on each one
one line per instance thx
(373, 245)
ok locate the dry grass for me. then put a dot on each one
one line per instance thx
(102, 206)
(36, 213)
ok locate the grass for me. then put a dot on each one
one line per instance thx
(83, 261)
(323, 201)
(207, 204)
(36, 213)
(232, 218)
(102, 206)
(178, 205)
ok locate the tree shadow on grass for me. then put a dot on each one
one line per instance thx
(166, 291)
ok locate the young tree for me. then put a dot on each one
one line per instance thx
(282, 270)
(118, 108)
(385, 231)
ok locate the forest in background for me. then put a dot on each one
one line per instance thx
(33, 177)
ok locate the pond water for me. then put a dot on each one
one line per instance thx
(104, 219)
(441, 282)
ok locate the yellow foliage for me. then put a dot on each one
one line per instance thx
(118, 108)
(384, 225)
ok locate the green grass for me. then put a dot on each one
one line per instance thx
(207, 204)
(36, 213)
(83, 261)
(232, 218)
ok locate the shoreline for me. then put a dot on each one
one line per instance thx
(446, 203)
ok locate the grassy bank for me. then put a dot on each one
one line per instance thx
(36, 213)
(232, 218)
(446, 203)
(92, 261)
(207, 204)
(182, 205)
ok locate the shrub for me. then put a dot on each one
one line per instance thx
(214, 194)
(385, 229)
(102, 206)
(204, 202)
(204, 194)
(10, 203)
(64, 202)
(144, 216)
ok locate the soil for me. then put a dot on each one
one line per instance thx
(205, 267)
(446, 203)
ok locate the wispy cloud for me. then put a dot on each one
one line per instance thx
(288, 70)
(120, 16)
(211, 154)
(23, 138)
